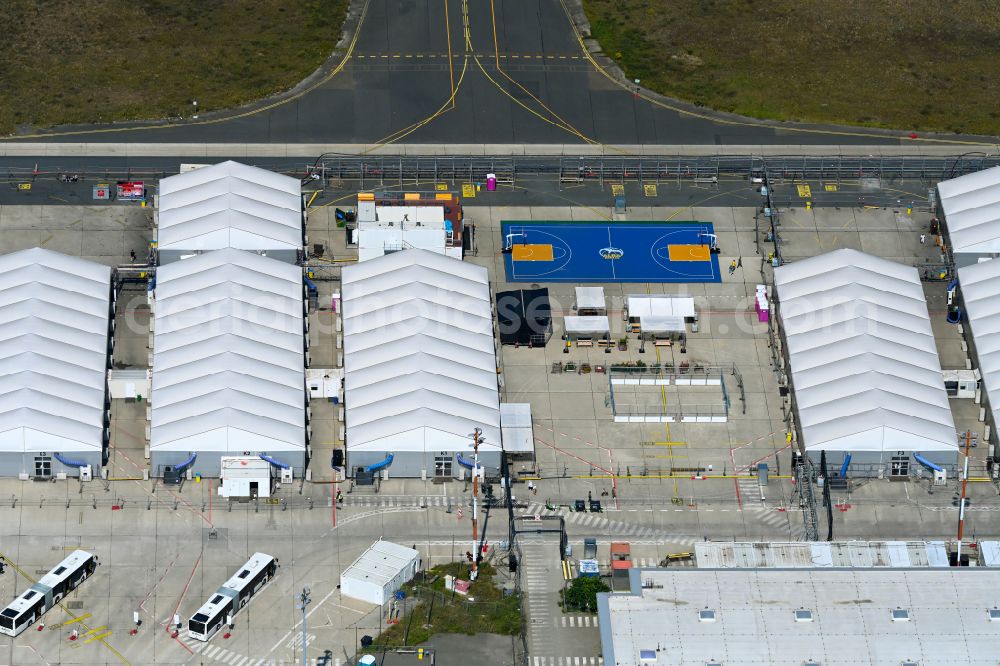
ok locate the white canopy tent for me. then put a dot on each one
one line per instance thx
(591, 300)
(590, 325)
(228, 363)
(864, 363)
(980, 287)
(971, 208)
(660, 313)
(229, 205)
(419, 355)
(54, 345)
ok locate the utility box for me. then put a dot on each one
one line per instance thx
(86, 473)
(940, 477)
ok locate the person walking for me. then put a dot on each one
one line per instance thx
(923, 237)
(732, 267)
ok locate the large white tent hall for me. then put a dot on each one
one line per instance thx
(979, 286)
(230, 205)
(420, 364)
(56, 333)
(228, 362)
(969, 206)
(865, 375)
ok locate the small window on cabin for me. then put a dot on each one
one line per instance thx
(244, 573)
(217, 599)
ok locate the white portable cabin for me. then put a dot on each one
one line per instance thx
(244, 476)
(379, 572)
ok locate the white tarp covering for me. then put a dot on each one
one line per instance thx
(864, 363)
(230, 205)
(980, 285)
(54, 313)
(971, 206)
(518, 434)
(419, 356)
(228, 363)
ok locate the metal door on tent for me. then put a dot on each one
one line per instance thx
(899, 466)
(43, 467)
(442, 466)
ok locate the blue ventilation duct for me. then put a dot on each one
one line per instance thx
(380, 465)
(187, 463)
(68, 462)
(927, 463)
(467, 464)
(843, 468)
(313, 291)
(276, 463)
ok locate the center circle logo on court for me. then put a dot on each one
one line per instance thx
(611, 253)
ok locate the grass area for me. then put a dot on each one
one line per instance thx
(900, 64)
(489, 613)
(66, 61)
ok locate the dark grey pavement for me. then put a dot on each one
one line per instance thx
(415, 74)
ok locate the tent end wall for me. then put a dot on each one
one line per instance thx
(209, 463)
(411, 464)
(866, 464)
(12, 464)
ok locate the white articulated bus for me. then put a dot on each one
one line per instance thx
(232, 596)
(34, 602)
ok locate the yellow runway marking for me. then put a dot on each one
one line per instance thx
(76, 619)
(468, 190)
(804, 191)
(689, 252)
(94, 631)
(649, 190)
(99, 637)
(531, 252)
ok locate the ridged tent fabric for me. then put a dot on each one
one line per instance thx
(230, 205)
(971, 206)
(54, 312)
(419, 354)
(228, 361)
(864, 363)
(980, 286)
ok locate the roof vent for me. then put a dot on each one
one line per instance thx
(706, 615)
(994, 614)
(900, 615)
(803, 615)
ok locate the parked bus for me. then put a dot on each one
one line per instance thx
(232, 596)
(34, 602)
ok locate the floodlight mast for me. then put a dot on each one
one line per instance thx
(477, 438)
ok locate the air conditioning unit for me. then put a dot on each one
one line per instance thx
(940, 477)
(286, 475)
(86, 473)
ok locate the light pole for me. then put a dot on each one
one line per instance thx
(303, 602)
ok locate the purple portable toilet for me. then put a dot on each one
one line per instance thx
(491, 182)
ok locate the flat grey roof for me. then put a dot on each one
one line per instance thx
(755, 619)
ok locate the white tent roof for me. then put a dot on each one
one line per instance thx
(230, 205)
(980, 285)
(54, 313)
(228, 363)
(864, 364)
(419, 357)
(971, 206)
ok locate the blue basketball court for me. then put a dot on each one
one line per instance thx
(609, 252)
